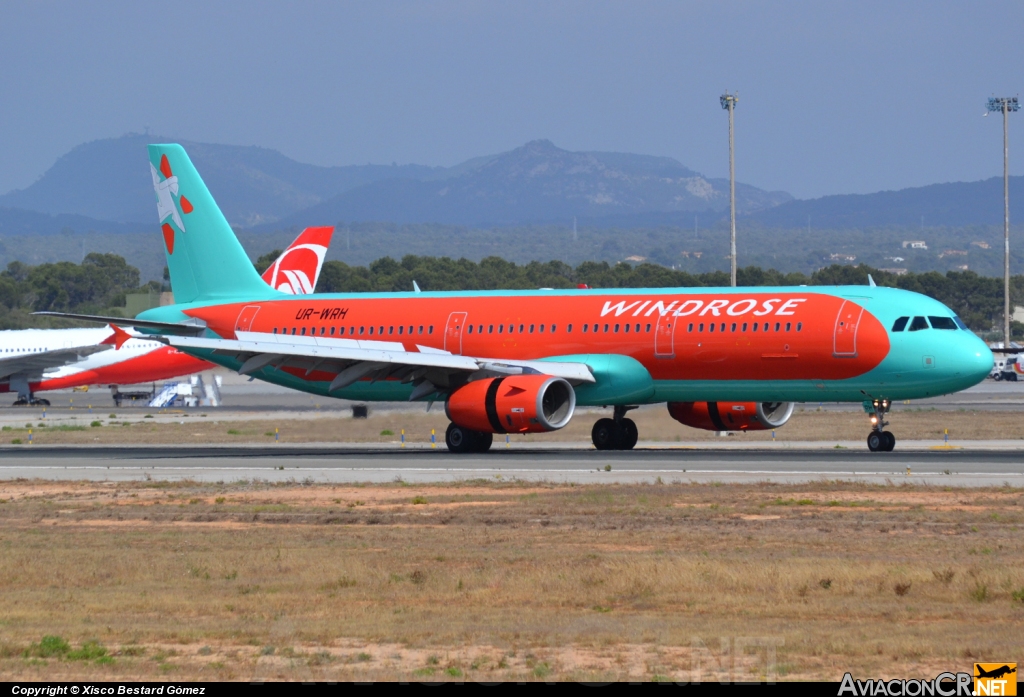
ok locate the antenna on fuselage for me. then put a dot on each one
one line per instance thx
(871, 281)
(416, 287)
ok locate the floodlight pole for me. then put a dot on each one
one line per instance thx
(729, 104)
(1005, 105)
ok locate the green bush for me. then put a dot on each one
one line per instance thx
(50, 646)
(88, 651)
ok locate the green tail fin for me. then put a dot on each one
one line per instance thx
(205, 259)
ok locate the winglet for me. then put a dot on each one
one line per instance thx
(117, 338)
(416, 287)
(871, 281)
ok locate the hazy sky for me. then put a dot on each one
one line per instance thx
(835, 97)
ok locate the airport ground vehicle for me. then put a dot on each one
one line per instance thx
(521, 361)
(38, 360)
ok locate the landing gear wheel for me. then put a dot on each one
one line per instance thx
(483, 442)
(606, 435)
(464, 440)
(890, 441)
(41, 403)
(630, 435)
(459, 439)
(875, 442)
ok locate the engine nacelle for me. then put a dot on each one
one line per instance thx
(731, 416)
(514, 404)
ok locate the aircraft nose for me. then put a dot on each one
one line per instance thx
(977, 360)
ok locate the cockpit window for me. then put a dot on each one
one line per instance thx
(960, 323)
(918, 324)
(900, 324)
(942, 322)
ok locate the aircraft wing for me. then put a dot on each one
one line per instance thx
(430, 370)
(36, 363)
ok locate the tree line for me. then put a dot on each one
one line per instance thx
(99, 284)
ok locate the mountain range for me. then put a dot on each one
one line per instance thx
(109, 181)
(104, 186)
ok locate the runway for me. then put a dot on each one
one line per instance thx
(963, 467)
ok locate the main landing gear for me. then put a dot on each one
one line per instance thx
(464, 440)
(880, 440)
(617, 433)
(31, 402)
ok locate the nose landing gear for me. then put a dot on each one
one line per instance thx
(879, 440)
(618, 433)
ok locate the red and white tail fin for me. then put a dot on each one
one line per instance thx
(297, 269)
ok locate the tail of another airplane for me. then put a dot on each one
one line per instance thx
(297, 269)
(205, 259)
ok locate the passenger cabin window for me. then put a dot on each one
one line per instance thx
(900, 324)
(942, 322)
(568, 329)
(430, 329)
(918, 324)
(585, 328)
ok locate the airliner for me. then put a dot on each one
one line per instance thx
(38, 360)
(514, 361)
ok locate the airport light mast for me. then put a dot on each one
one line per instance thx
(1005, 105)
(729, 104)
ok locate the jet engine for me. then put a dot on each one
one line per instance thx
(731, 416)
(514, 404)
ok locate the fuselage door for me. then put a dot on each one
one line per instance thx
(845, 337)
(453, 332)
(246, 317)
(664, 336)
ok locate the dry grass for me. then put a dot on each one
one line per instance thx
(654, 423)
(497, 581)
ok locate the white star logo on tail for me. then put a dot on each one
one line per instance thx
(165, 207)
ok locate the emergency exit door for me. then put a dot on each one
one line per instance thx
(845, 337)
(453, 332)
(665, 336)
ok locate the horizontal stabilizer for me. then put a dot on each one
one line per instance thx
(193, 327)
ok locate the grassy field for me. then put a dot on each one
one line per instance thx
(500, 581)
(386, 426)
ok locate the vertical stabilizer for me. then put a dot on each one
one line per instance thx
(205, 260)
